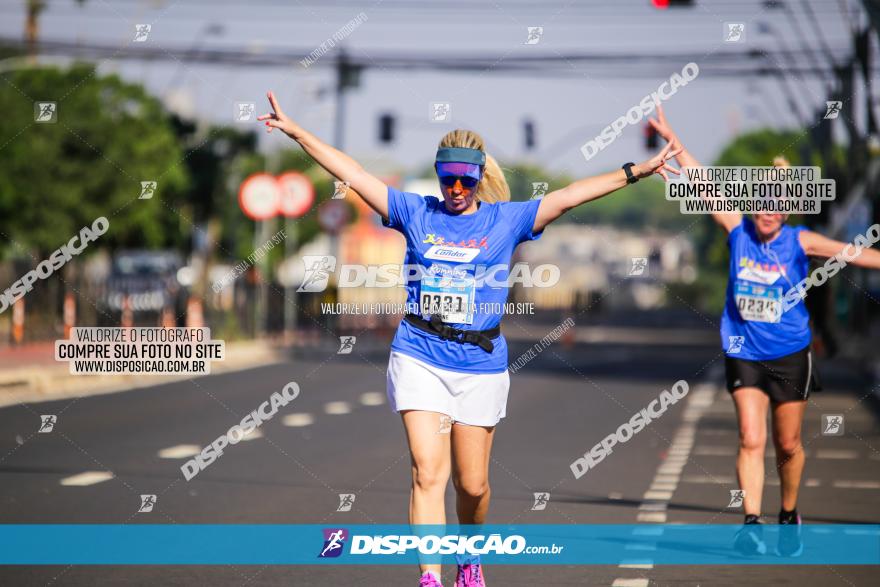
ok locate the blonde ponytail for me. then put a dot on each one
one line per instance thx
(493, 187)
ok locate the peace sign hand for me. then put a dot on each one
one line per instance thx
(277, 118)
(661, 125)
(658, 163)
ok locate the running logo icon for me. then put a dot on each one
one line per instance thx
(340, 188)
(534, 37)
(639, 266)
(539, 188)
(141, 32)
(45, 112)
(440, 112)
(736, 498)
(445, 425)
(735, 344)
(148, 188)
(832, 424)
(244, 111)
(346, 345)
(147, 503)
(734, 32)
(47, 423)
(318, 270)
(541, 501)
(832, 109)
(334, 542)
(346, 500)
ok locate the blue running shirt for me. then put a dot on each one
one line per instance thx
(459, 254)
(760, 275)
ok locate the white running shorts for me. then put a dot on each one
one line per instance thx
(478, 399)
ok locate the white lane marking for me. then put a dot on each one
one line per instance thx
(615, 495)
(843, 484)
(670, 469)
(636, 565)
(180, 451)
(711, 479)
(813, 483)
(87, 478)
(252, 435)
(337, 408)
(372, 398)
(656, 499)
(655, 486)
(630, 583)
(677, 459)
(831, 453)
(298, 420)
(715, 451)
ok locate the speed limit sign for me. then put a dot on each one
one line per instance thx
(333, 215)
(259, 196)
(297, 194)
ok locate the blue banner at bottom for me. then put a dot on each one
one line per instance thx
(246, 544)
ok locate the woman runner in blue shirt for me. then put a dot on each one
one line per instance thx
(767, 346)
(447, 373)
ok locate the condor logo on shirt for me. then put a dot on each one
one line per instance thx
(447, 253)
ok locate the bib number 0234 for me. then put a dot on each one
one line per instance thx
(758, 303)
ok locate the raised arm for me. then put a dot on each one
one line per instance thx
(558, 202)
(816, 245)
(338, 164)
(728, 220)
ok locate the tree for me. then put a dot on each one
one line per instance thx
(109, 137)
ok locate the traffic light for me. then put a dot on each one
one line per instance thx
(529, 130)
(386, 128)
(650, 138)
(664, 4)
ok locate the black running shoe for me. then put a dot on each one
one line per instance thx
(749, 541)
(790, 543)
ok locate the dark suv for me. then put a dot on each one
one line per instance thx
(149, 279)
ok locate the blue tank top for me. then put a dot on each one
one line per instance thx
(753, 326)
(464, 257)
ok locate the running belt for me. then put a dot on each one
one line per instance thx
(481, 338)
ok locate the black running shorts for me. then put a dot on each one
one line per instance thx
(789, 378)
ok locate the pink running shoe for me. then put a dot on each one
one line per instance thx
(470, 575)
(429, 580)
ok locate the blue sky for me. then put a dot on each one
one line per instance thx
(567, 111)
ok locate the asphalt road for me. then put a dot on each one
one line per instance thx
(339, 436)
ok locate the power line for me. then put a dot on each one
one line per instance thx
(631, 64)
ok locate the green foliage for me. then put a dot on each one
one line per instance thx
(57, 178)
(760, 147)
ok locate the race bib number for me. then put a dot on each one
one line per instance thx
(451, 298)
(758, 303)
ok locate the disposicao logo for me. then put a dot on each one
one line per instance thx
(334, 542)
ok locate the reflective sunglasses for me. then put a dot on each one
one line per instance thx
(466, 181)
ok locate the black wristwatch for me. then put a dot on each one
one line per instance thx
(627, 168)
